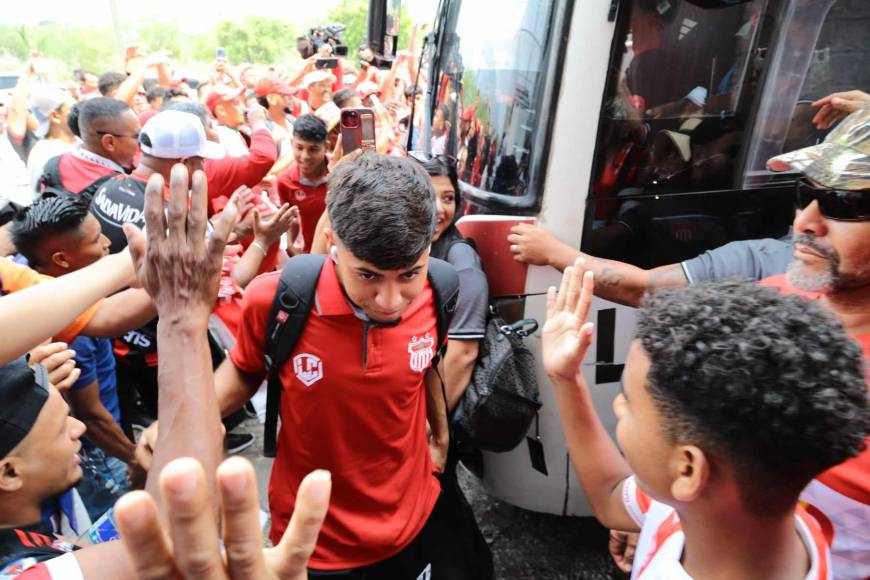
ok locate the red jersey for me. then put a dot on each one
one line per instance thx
(225, 175)
(840, 497)
(353, 402)
(309, 196)
(77, 172)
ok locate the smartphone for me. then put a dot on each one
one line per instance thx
(357, 130)
(326, 62)
(220, 53)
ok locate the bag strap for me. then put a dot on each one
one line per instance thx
(445, 287)
(290, 309)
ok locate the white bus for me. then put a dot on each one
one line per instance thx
(635, 130)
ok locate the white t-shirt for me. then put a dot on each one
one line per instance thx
(44, 150)
(662, 541)
(233, 142)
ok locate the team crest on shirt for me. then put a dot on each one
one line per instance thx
(300, 195)
(421, 349)
(308, 368)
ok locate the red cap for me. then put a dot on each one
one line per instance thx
(273, 86)
(221, 94)
(468, 114)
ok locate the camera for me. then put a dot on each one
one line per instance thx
(319, 36)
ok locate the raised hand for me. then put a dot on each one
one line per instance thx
(837, 106)
(190, 549)
(566, 335)
(178, 266)
(269, 229)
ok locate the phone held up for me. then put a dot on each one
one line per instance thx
(329, 62)
(357, 129)
(220, 53)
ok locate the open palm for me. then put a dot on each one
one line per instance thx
(566, 334)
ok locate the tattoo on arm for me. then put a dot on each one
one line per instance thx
(609, 276)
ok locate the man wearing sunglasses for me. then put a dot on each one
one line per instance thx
(832, 264)
(109, 130)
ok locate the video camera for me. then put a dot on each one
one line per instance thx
(319, 36)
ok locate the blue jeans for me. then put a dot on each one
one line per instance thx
(104, 481)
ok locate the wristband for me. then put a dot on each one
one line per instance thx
(259, 246)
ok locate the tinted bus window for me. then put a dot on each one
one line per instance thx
(698, 100)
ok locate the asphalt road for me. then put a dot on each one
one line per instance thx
(525, 545)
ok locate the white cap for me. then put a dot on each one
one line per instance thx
(316, 76)
(177, 135)
(45, 101)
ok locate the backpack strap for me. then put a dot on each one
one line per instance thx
(49, 184)
(290, 309)
(445, 287)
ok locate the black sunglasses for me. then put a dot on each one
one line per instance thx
(423, 157)
(835, 204)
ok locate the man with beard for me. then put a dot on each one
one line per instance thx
(832, 264)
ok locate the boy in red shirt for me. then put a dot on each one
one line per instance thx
(734, 398)
(303, 184)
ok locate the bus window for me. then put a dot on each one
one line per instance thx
(821, 49)
(698, 100)
(491, 73)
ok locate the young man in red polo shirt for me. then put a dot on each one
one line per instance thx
(304, 182)
(358, 388)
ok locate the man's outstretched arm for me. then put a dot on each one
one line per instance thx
(615, 281)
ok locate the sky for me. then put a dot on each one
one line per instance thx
(193, 15)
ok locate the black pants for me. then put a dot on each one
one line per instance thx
(449, 547)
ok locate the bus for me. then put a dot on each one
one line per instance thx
(635, 130)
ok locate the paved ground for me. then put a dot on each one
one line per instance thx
(525, 545)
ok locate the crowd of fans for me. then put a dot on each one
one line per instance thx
(143, 285)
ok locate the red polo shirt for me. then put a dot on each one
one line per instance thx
(365, 424)
(309, 197)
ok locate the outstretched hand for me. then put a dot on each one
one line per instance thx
(566, 335)
(189, 548)
(837, 106)
(178, 266)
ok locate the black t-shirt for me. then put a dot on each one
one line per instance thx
(26, 546)
(119, 201)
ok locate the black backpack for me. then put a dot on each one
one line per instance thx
(290, 309)
(497, 408)
(49, 183)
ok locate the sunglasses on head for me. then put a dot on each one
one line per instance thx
(835, 204)
(423, 157)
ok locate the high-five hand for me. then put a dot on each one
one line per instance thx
(567, 335)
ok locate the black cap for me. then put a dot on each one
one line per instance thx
(23, 393)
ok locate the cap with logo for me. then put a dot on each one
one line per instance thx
(23, 393)
(177, 135)
(841, 161)
(45, 101)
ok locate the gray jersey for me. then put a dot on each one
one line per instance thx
(747, 259)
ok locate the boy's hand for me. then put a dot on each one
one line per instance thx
(566, 334)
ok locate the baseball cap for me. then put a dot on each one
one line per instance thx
(841, 161)
(177, 135)
(23, 393)
(222, 94)
(316, 76)
(272, 86)
(45, 101)
(367, 88)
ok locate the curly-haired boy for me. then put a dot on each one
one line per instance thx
(734, 398)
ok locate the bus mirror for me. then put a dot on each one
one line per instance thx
(383, 31)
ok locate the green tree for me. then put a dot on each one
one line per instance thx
(354, 15)
(254, 39)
